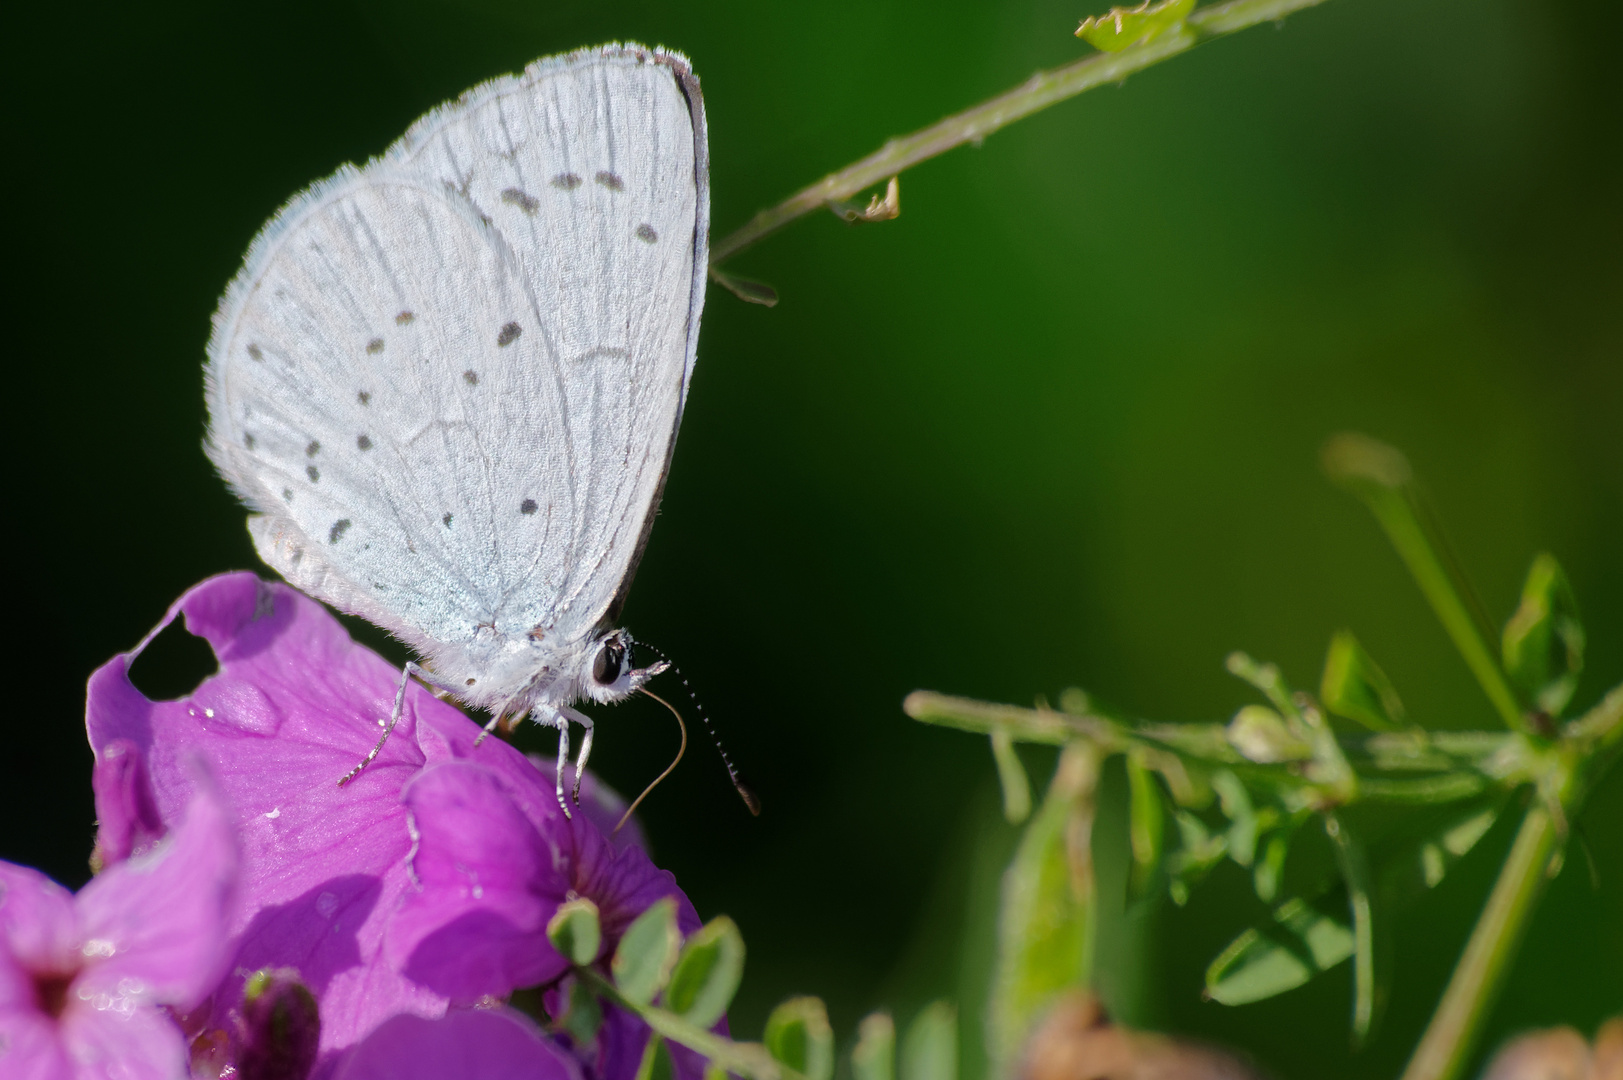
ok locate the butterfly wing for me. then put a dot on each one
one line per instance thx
(449, 383)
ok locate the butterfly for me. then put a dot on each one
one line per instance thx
(448, 383)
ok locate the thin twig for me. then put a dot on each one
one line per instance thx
(1446, 1047)
(1040, 91)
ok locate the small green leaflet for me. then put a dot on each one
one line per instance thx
(798, 1035)
(1300, 943)
(1120, 27)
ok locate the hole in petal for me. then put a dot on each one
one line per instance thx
(173, 663)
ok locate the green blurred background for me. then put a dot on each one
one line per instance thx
(1057, 425)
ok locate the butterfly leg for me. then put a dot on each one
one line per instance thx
(585, 745)
(407, 673)
(547, 715)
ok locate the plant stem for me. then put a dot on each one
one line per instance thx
(745, 1059)
(1380, 476)
(1040, 91)
(1446, 1047)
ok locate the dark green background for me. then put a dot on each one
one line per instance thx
(1056, 425)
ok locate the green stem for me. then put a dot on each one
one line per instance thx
(1381, 477)
(749, 1060)
(1026, 725)
(1455, 775)
(1355, 872)
(1446, 1047)
(1038, 92)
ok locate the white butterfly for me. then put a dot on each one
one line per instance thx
(449, 383)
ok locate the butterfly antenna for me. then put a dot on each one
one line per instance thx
(743, 789)
(632, 809)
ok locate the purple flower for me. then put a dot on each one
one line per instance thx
(467, 1044)
(492, 867)
(427, 880)
(84, 979)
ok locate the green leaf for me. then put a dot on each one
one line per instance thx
(642, 964)
(656, 1061)
(575, 933)
(707, 973)
(1261, 735)
(1236, 804)
(798, 1035)
(583, 1015)
(1199, 851)
(1353, 686)
(1424, 865)
(1271, 867)
(1146, 822)
(930, 1049)
(1011, 776)
(1543, 644)
(1046, 922)
(875, 1055)
(1300, 942)
(1121, 27)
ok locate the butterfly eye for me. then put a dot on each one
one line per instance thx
(606, 668)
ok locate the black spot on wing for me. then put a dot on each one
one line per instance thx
(313, 449)
(527, 506)
(248, 441)
(567, 181)
(447, 520)
(254, 353)
(287, 494)
(364, 398)
(522, 199)
(404, 318)
(509, 334)
(471, 378)
(312, 472)
(363, 443)
(338, 529)
(610, 181)
(646, 233)
(374, 346)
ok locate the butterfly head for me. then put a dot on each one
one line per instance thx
(611, 671)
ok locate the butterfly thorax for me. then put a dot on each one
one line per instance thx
(515, 676)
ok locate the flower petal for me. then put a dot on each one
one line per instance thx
(489, 881)
(39, 930)
(30, 1046)
(154, 927)
(471, 1044)
(128, 823)
(142, 1043)
(293, 707)
(623, 882)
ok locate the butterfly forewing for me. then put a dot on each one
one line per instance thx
(451, 380)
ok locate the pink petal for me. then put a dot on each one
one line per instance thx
(159, 921)
(128, 823)
(30, 1046)
(623, 882)
(39, 930)
(475, 1044)
(113, 1044)
(489, 883)
(293, 707)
